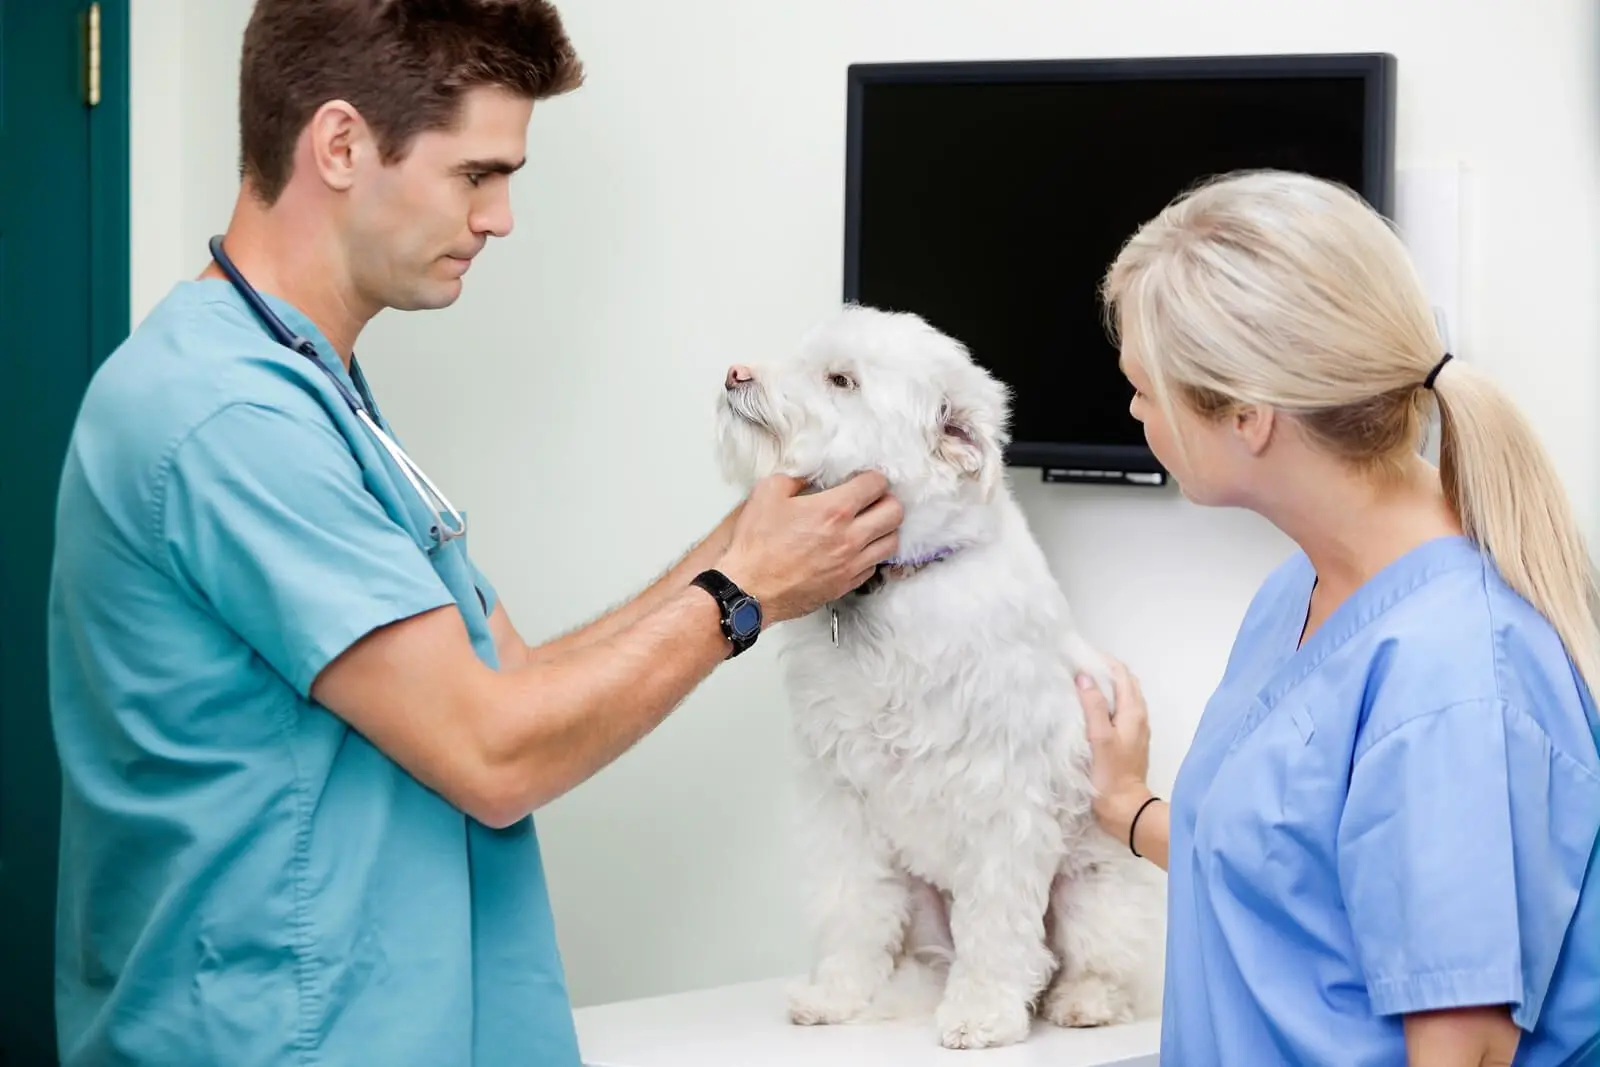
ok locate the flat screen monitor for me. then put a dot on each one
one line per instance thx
(990, 197)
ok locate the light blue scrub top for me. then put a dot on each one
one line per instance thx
(1399, 816)
(244, 879)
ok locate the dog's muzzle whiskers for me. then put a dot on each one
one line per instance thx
(743, 406)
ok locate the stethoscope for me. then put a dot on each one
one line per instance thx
(449, 523)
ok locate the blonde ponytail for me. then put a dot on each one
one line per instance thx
(1288, 291)
(1505, 491)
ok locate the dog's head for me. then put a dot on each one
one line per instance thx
(868, 390)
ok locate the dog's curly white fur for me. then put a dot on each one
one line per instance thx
(945, 767)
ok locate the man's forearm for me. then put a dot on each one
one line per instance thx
(499, 743)
(566, 715)
(660, 592)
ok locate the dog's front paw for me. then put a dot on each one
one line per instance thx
(824, 1004)
(1087, 1000)
(973, 1015)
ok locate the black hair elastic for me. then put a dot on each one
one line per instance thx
(1135, 824)
(1427, 383)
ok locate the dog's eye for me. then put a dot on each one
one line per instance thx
(841, 381)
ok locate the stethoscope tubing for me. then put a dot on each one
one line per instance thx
(443, 530)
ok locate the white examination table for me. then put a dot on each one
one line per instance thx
(745, 1026)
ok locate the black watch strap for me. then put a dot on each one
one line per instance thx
(717, 584)
(741, 612)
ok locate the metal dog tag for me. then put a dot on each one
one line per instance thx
(833, 622)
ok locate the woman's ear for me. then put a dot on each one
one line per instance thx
(1254, 425)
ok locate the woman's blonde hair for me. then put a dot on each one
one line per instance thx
(1289, 291)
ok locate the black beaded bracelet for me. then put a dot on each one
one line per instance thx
(1135, 824)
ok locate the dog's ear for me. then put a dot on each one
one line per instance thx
(972, 439)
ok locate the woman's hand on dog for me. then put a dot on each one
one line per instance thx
(1119, 748)
(796, 551)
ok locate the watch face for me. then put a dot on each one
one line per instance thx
(745, 618)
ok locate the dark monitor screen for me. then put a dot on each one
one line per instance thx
(991, 197)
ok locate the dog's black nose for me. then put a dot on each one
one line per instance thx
(738, 375)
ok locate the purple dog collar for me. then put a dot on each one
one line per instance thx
(902, 567)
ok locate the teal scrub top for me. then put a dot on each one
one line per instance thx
(244, 879)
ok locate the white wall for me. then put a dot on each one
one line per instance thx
(684, 210)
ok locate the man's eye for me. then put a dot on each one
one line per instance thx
(475, 179)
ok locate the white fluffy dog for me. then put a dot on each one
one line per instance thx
(945, 766)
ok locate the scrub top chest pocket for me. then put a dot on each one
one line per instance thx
(1271, 917)
(1270, 815)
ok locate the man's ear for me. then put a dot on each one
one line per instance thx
(335, 137)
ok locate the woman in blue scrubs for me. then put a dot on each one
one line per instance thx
(1381, 843)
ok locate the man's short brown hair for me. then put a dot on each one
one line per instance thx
(403, 64)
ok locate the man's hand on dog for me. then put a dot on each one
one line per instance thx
(795, 551)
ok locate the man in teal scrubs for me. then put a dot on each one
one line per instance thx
(300, 743)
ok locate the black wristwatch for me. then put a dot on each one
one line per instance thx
(741, 612)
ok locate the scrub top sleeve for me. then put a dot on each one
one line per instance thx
(264, 514)
(1460, 859)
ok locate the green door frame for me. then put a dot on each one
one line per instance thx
(109, 177)
(91, 270)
